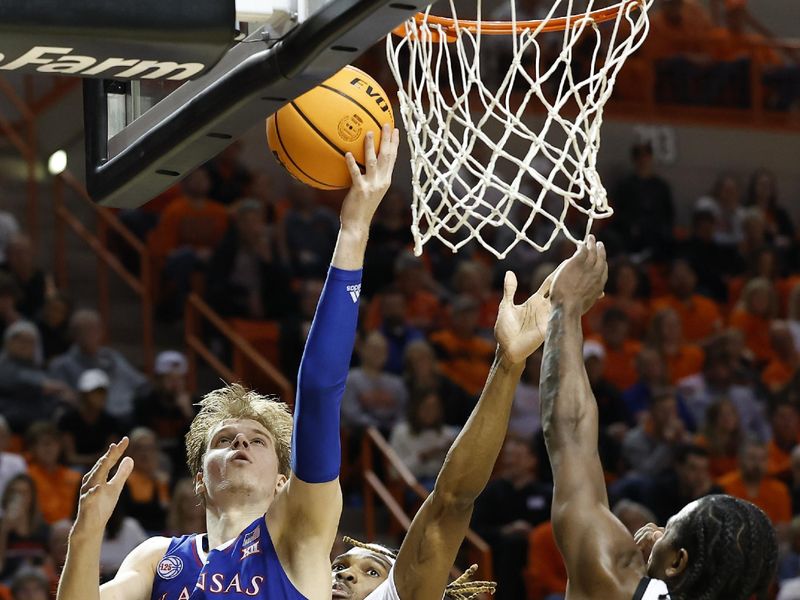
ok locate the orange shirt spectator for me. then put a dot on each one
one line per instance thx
(785, 424)
(464, 357)
(719, 465)
(688, 360)
(191, 220)
(700, 316)
(423, 309)
(666, 337)
(147, 491)
(545, 573)
(678, 28)
(636, 310)
(56, 485)
(621, 352)
(785, 358)
(57, 490)
(734, 42)
(757, 308)
(751, 483)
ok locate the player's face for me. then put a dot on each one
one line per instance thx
(357, 573)
(665, 560)
(241, 456)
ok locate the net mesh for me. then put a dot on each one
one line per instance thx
(483, 168)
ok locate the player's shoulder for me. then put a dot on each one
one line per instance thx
(149, 553)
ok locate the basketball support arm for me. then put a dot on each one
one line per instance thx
(252, 80)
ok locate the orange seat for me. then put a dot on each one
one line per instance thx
(264, 336)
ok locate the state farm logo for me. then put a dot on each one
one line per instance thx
(170, 567)
(60, 61)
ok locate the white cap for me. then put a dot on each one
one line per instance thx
(171, 361)
(592, 349)
(93, 379)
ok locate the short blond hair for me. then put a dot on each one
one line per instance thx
(234, 401)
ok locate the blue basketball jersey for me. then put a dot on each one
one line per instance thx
(246, 567)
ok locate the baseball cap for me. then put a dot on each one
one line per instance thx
(592, 349)
(171, 361)
(93, 379)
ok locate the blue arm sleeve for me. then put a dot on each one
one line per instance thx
(316, 445)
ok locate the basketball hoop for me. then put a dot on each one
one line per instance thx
(480, 169)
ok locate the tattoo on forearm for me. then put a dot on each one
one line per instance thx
(551, 362)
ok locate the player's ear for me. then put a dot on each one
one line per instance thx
(679, 563)
(199, 484)
(281, 481)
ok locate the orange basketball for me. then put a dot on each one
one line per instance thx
(310, 135)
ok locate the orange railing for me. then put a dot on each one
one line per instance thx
(197, 313)
(106, 221)
(403, 483)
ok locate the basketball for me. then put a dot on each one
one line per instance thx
(311, 135)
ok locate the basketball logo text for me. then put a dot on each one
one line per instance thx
(369, 91)
(350, 127)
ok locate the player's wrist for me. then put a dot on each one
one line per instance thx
(85, 533)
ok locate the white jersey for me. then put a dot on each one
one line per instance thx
(651, 589)
(385, 591)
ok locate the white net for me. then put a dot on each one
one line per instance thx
(503, 157)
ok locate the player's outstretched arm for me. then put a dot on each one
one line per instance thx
(98, 497)
(430, 547)
(310, 506)
(598, 551)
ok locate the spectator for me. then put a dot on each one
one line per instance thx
(246, 278)
(30, 584)
(648, 448)
(53, 325)
(620, 350)
(712, 262)
(167, 407)
(682, 359)
(612, 412)
(395, 328)
(11, 464)
(88, 429)
(644, 214)
(781, 369)
(762, 193)
(87, 353)
(473, 279)
(700, 317)
(187, 233)
(147, 488)
(794, 461)
(122, 534)
(56, 485)
(793, 314)
(785, 422)
(372, 397)
(23, 532)
(724, 202)
(525, 421)
(717, 381)
(422, 370)
(57, 552)
(688, 480)
(30, 279)
(422, 305)
(633, 515)
(186, 512)
(722, 436)
(228, 177)
(754, 235)
(295, 327)
(651, 376)
(464, 356)
(422, 439)
(310, 232)
(26, 391)
(389, 235)
(751, 483)
(623, 292)
(506, 512)
(789, 567)
(545, 575)
(752, 316)
(9, 296)
(8, 229)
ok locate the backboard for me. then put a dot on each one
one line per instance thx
(198, 82)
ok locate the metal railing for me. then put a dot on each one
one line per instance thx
(140, 284)
(198, 312)
(402, 483)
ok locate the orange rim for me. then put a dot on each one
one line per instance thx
(451, 27)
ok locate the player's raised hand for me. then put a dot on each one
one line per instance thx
(369, 188)
(520, 328)
(646, 538)
(579, 280)
(99, 494)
